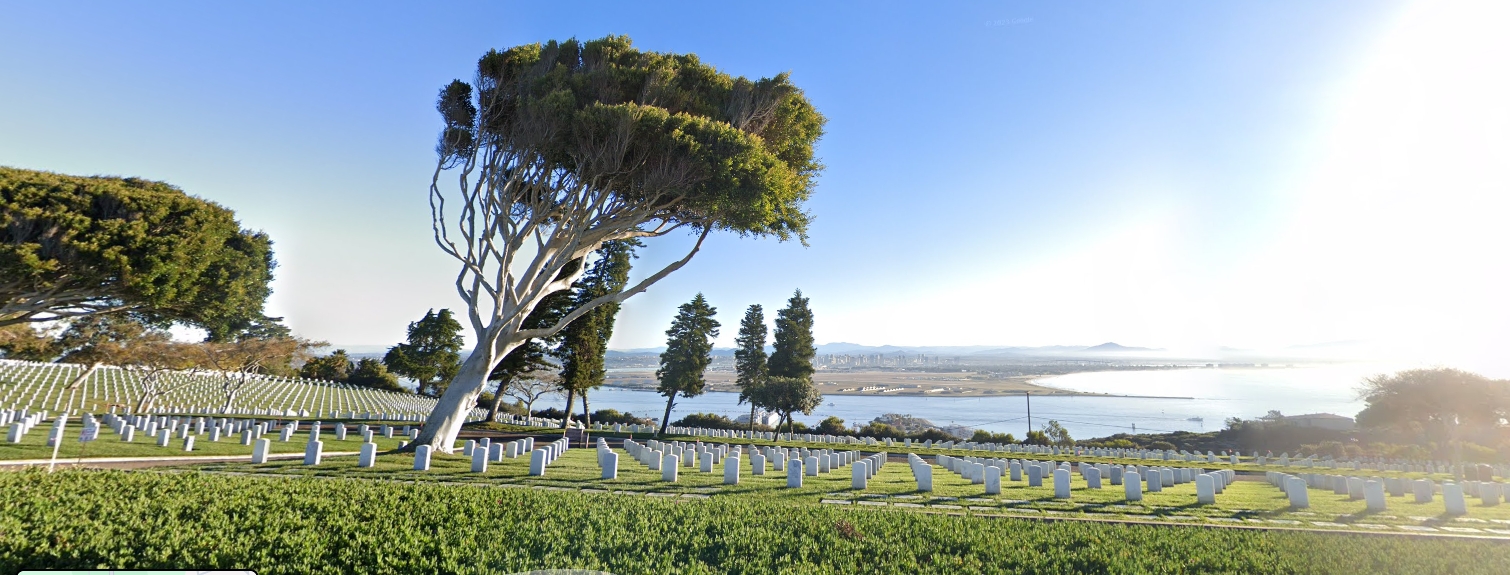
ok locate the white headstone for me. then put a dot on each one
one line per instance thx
(538, 459)
(1373, 494)
(479, 460)
(1205, 489)
(757, 463)
(422, 458)
(368, 455)
(669, 467)
(610, 463)
(1295, 488)
(1035, 475)
(313, 450)
(260, 451)
(731, 470)
(1132, 486)
(1061, 484)
(794, 473)
(1092, 477)
(1452, 496)
(859, 475)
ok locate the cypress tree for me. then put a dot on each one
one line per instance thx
(750, 359)
(585, 341)
(689, 347)
(794, 350)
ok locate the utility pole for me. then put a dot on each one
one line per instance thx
(1028, 395)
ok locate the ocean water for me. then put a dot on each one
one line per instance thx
(1214, 395)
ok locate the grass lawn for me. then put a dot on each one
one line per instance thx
(1246, 502)
(278, 525)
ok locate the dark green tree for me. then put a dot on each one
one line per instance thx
(555, 149)
(584, 342)
(1444, 404)
(832, 425)
(793, 351)
(334, 367)
(432, 355)
(750, 360)
(1057, 434)
(689, 347)
(792, 360)
(788, 395)
(370, 372)
(79, 246)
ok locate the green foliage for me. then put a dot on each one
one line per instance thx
(832, 425)
(644, 126)
(789, 395)
(750, 359)
(76, 246)
(689, 345)
(370, 372)
(880, 430)
(612, 416)
(123, 520)
(983, 436)
(1435, 404)
(1159, 445)
(432, 355)
(333, 367)
(1035, 438)
(931, 434)
(24, 342)
(584, 342)
(793, 351)
(707, 420)
(1057, 434)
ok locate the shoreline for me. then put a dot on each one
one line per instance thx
(1047, 392)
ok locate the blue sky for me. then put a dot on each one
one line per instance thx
(1181, 175)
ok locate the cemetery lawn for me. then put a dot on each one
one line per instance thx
(151, 520)
(34, 445)
(1254, 503)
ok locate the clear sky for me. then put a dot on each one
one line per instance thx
(1183, 175)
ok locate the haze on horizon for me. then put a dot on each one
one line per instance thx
(1017, 174)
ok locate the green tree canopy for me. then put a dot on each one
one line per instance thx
(555, 149)
(689, 347)
(832, 425)
(333, 367)
(793, 351)
(750, 359)
(789, 395)
(432, 355)
(370, 372)
(584, 343)
(1057, 434)
(78, 246)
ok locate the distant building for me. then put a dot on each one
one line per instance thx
(762, 417)
(1321, 421)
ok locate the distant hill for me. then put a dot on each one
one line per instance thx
(1113, 347)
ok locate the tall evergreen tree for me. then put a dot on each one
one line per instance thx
(689, 347)
(790, 388)
(794, 351)
(585, 341)
(432, 356)
(750, 359)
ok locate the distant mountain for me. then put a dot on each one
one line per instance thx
(1113, 347)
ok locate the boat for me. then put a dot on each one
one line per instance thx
(1196, 419)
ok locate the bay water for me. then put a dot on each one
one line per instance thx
(1196, 399)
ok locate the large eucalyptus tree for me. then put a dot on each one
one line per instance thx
(555, 149)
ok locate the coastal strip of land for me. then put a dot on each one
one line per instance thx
(888, 383)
